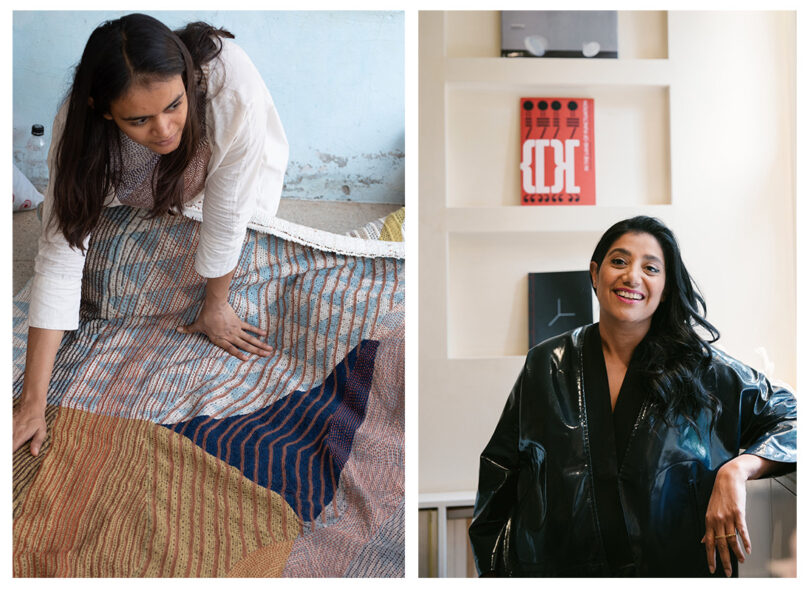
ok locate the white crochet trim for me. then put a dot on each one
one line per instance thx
(317, 238)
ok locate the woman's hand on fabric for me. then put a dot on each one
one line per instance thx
(29, 424)
(225, 329)
(725, 517)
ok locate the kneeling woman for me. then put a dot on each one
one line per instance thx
(618, 452)
(154, 119)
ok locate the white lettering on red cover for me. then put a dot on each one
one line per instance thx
(564, 168)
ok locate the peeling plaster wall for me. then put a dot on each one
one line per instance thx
(337, 78)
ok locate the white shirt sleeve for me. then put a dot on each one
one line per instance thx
(249, 154)
(57, 285)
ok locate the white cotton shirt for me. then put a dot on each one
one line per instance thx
(245, 175)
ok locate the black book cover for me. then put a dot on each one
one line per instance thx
(558, 302)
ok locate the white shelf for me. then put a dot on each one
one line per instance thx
(465, 363)
(501, 73)
(554, 219)
(449, 499)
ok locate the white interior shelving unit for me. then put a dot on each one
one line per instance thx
(481, 94)
(469, 167)
(444, 550)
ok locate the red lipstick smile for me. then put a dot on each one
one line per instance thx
(629, 296)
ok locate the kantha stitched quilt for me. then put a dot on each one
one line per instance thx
(168, 457)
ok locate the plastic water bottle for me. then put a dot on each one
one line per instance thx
(34, 160)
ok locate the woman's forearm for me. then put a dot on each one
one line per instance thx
(39, 358)
(217, 289)
(750, 466)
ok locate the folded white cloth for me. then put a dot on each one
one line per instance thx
(26, 196)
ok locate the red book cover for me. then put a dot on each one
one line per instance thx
(557, 151)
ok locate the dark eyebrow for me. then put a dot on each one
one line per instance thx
(171, 104)
(620, 250)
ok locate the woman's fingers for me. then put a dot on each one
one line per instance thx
(190, 328)
(236, 345)
(251, 347)
(263, 347)
(248, 343)
(738, 527)
(734, 544)
(724, 544)
(231, 349)
(248, 327)
(35, 430)
(38, 440)
(708, 542)
(743, 530)
(722, 541)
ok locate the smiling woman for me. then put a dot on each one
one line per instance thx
(630, 284)
(617, 453)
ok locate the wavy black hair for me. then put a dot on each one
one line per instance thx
(133, 49)
(672, 355)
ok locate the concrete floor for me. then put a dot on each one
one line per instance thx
(337, 217)
(24, 248)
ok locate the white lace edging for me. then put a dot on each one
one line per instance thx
(316, 238)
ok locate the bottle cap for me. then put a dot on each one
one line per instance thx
(37, 130)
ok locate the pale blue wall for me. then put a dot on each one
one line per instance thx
(337, 79)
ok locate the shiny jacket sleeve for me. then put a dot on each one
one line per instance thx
(497, 484)
(767, 419)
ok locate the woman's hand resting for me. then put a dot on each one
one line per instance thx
(225, 329)
(725, 516)
(29, 414)
(29, 424)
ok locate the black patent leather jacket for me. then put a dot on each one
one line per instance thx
(535, 513)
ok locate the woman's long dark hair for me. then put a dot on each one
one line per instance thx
(119, 53)
(672, 355)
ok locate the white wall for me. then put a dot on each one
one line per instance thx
(336, 77)
(728, 83)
